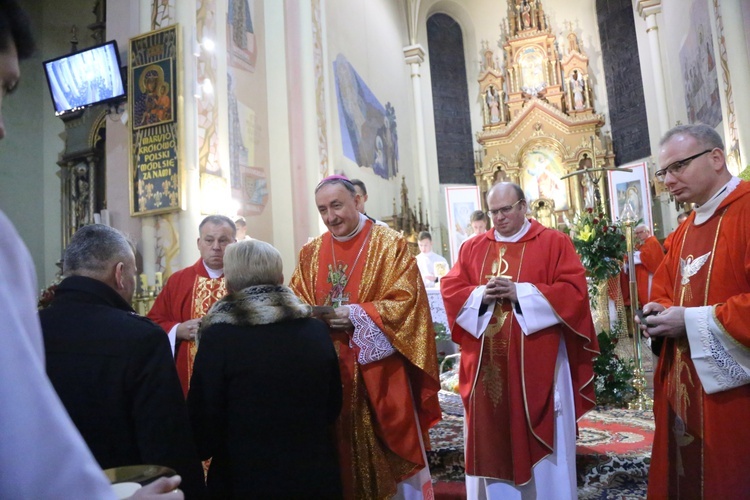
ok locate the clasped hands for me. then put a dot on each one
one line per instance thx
(662, 322)
(498, 289)
(187, 329)
(338, 320)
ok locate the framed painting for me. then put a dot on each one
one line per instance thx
(631, 188)
(460, 201)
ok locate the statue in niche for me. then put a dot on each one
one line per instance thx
(577, 88)
(525, 15)
(492, 98)
(573, 43)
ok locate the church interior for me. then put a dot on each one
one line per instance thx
(428, 102)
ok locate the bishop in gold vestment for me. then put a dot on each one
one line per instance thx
(384, 338)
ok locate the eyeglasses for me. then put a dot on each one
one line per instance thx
(503, 210)
(675, 167)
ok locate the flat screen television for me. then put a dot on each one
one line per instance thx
(87, 77)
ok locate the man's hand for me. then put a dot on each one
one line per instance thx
(663, 322)
(498, 289)
(340, 319)
(188, 329)
(164, 488)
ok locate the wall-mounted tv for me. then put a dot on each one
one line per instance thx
(87, 77)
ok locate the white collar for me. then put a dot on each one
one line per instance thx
(362, 219)
(513, 238)
(705, 211)
(213, 273)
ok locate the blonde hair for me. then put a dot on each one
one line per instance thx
(252, 262)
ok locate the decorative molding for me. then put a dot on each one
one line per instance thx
(414, 54)
(320, 91)
(733, 145)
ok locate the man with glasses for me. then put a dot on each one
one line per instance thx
(518, 305)
(701, 308)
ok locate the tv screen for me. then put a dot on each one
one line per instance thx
(85, 78)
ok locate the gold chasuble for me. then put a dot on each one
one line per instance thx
(378, 436)
(507, 378)
(188, 294)
(702, 441)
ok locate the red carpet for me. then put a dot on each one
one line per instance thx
(612, 453)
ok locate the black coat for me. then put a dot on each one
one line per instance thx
(264, 397)
(115, 374)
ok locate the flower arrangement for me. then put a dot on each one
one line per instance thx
(600, 244)
(614, 376)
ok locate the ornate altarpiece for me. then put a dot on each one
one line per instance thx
(539, 121)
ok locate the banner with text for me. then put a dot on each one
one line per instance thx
(155, 180)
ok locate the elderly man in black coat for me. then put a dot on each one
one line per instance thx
(113, 369)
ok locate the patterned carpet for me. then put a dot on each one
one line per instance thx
(613, 450)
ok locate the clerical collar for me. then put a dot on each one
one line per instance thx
(213, 273)
(705, 211)
(362, 220)
(520, 234)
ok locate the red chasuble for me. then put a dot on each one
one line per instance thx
(702, 441)
(506, 378)
(651, 256)
(377, 434)
(187, 294)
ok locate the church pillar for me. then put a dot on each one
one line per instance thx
(414, 56)
(648, 9)
(734, 73)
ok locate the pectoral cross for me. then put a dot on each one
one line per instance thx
(338, 297)
(500, 266)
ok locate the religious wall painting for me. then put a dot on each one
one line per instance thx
(460, 202)
(241, 136)
(368, 129)
(699, 72)
(542, 176)
(631, 188)
(255, 192)
(241, 42)
(152, 97)
(531, 60)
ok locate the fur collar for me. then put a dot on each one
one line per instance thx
(257, 305)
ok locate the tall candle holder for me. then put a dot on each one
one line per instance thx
(642, 401)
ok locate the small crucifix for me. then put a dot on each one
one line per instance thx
(340, 297)
(594, 175)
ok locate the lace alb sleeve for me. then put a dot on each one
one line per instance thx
(372, 342)
(720, 361)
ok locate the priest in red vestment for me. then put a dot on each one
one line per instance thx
(701, 310)
(647, 257)
(189, 293)
(670, 237)
(380, 323)
(518, 305)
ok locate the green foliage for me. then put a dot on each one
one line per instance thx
(441, 333)
(745, 174)
(613, 380)
(600, 244)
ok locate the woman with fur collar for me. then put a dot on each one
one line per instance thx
(266, 388)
